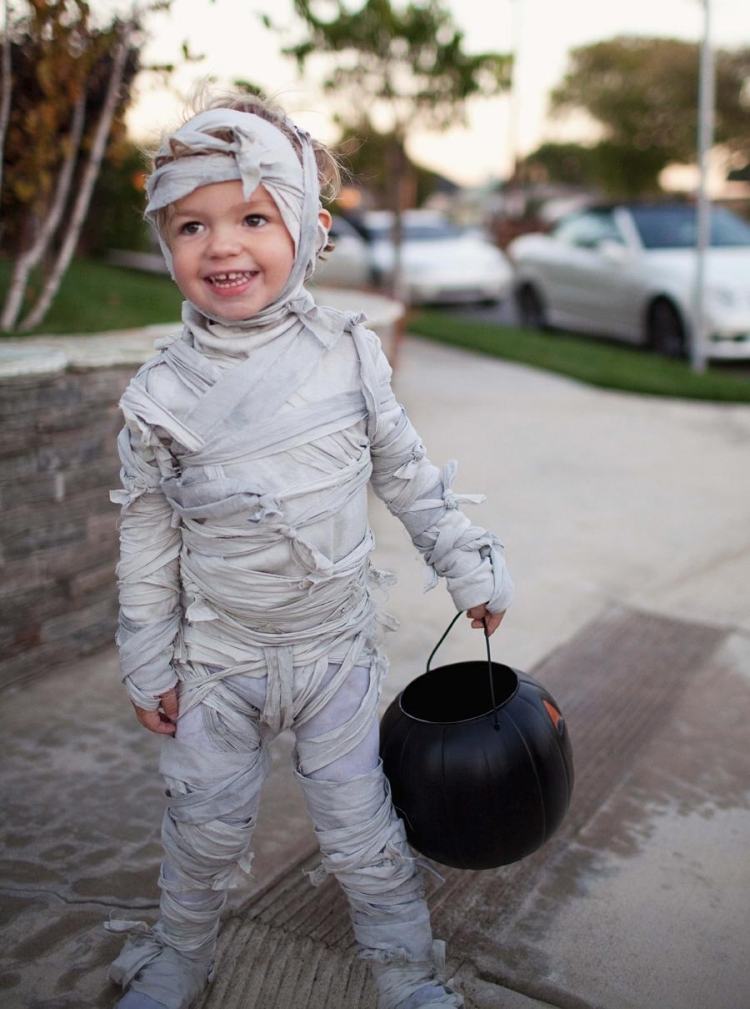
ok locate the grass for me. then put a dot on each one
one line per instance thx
(95, 297)
(596, 362)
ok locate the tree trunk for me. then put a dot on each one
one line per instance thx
(88, 181)
(34, 254)
(7, 84)
(398, 164)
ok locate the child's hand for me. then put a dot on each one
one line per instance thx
(477, 615)
(164, 718)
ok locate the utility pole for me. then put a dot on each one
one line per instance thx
(706, 101)
(513, 96)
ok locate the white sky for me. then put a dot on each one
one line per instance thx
(236, 45)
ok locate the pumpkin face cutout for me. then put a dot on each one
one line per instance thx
(481, 771)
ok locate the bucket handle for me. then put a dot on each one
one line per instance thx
(447, 631)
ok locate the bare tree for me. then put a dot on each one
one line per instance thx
(31, 258)
(7, 83)
(91, 171)
(71, 86)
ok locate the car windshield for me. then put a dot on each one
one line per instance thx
(424, 232)
(675, 227)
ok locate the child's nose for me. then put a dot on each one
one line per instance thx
(223, 242)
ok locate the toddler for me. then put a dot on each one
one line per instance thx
(244, 576)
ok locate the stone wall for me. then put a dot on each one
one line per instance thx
(58, 537)
(58, 542)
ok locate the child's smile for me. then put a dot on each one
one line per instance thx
(231, 281)
(231, 256)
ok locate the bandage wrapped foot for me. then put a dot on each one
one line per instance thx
(415, 985)
(137, 1000)
(432, 997)
(156, 976)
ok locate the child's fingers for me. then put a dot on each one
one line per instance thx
(160, 725)
(154, 721)
(169, 704)
(493, 622)
(477, 612)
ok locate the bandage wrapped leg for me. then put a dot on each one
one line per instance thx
(214, 770)
(363, 843)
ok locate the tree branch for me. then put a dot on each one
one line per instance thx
(33, 255)
(7, 84)
(88, 182)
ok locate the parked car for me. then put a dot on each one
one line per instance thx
(350, 264)
(628, 271)
(440, 261)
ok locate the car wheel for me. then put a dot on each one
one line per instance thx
(665, 329)
(530, 308)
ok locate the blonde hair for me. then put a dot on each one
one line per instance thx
(206, 98)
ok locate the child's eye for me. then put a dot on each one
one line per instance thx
(256, 220)
(190, 228)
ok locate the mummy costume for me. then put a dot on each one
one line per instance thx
(245, 576)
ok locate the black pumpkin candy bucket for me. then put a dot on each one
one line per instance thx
(479, 761)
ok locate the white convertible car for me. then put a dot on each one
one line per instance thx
(628, 271)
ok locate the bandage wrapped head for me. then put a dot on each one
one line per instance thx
(256, 153)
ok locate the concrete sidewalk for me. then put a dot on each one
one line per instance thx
(626, 520)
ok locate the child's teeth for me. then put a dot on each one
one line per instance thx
(230, 279)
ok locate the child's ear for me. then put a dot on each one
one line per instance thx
(325, 219)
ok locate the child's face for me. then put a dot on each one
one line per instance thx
(231, 257)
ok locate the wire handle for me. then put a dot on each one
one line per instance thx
(489, 660)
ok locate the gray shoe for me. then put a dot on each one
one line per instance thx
(156, 976)
(137, 1000)
(430, 996)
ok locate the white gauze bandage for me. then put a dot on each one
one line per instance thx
(258, 153)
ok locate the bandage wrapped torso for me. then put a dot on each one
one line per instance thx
(244, 527)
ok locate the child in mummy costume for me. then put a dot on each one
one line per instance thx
(245, 582)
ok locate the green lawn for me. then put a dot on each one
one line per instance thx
(590, 360)
(94, 297)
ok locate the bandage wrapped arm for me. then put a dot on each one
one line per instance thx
(148, 569)
(420, 494)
